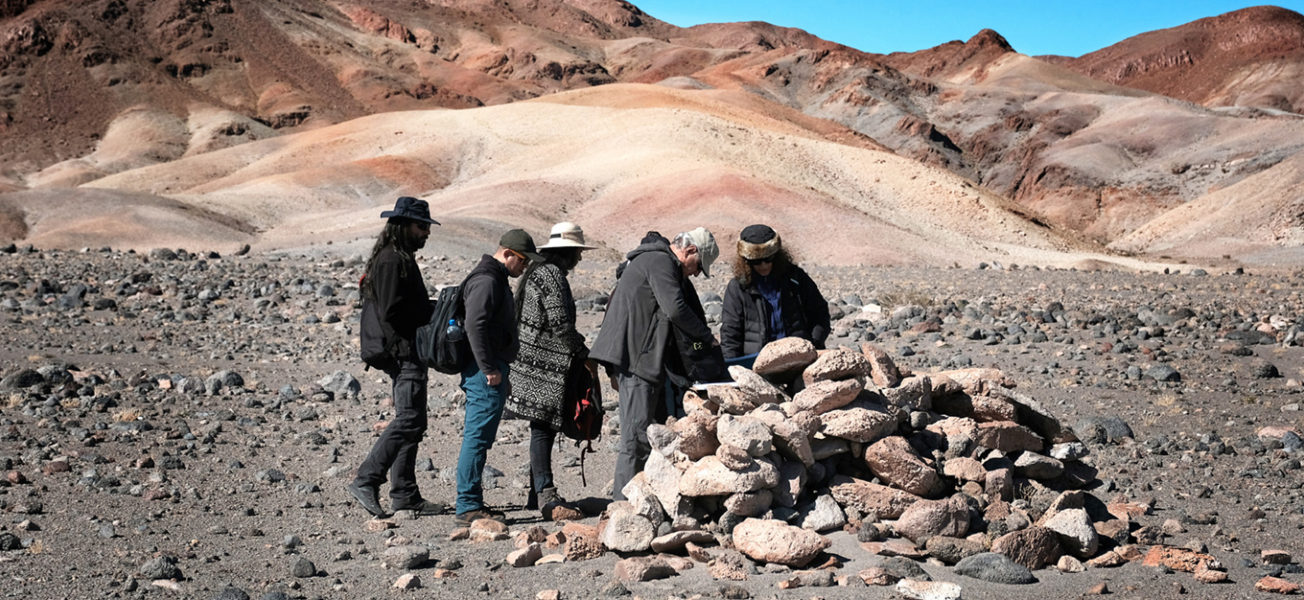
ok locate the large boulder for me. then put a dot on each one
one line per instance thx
(774, 541)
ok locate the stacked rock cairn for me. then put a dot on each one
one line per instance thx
(952, 466)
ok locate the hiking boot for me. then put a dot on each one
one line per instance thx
(548, 496)
(424, 508)
(368, 497)
(467, 518)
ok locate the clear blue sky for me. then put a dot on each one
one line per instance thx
(1032, 27)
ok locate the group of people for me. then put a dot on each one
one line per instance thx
(654, 341)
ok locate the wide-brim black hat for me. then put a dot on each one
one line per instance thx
(407, 207)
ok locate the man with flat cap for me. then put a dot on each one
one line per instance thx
(653, 333)
(394, 305)
(491, 333)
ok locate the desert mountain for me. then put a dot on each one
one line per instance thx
(1250, 57)
(140, 98)
(626, 157)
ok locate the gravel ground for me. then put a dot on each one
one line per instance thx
(206, 412)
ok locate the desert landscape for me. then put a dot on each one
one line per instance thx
(1102, 250)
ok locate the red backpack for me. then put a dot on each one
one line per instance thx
(581, 416)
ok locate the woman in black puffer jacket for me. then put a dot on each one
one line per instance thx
(769, 298)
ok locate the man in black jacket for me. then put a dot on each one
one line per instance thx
(394, 304)
(491, 333)
(651, 329)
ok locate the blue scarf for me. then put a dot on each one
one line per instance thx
(769, 289)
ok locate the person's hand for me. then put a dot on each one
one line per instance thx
(493, 377)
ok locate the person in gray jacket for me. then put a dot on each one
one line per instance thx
(652, 322)
(492, 335)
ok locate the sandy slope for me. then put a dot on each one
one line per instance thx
(619, 159)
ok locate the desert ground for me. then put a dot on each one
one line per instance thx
(204, 411)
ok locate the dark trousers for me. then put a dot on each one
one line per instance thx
(642, 403)
(396, 450)
(542, 438)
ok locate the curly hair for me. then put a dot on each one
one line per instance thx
(783, 262)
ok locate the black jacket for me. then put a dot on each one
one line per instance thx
(652, 315)
(490, 314)
(746, 320)
(400, 306)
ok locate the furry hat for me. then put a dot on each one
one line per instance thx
(758, 241)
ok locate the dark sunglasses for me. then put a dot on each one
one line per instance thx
(759, 261)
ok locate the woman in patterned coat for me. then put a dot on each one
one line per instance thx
(549, 344)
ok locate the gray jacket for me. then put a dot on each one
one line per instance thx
(652, 296)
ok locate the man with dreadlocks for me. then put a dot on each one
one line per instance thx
(394, 305)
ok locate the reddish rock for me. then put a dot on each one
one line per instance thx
(1127, 511)
(56, 466)
(881, 367)
(841, 363)
(823, 396)
(1008, 436)
(1107, 560)
(927, 518)
(1178, 559)
(1000, 484)
(1204, 574)
(868, 497)
(894, 461)
(787, 355)
(642, 568)
(1276, 585)
(1034, 547)
(976, 381)
(1275, 557)
(964, 469)
(878, 576)
(777, 542)
(978, 408)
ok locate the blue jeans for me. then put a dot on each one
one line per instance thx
(484, 410)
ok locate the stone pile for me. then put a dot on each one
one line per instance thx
(955, 466)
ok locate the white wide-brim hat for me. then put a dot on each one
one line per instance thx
(566, 235)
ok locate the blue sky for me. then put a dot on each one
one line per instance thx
(1032, 27)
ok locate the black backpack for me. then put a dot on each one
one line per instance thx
(376, 354)
(435, 348)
